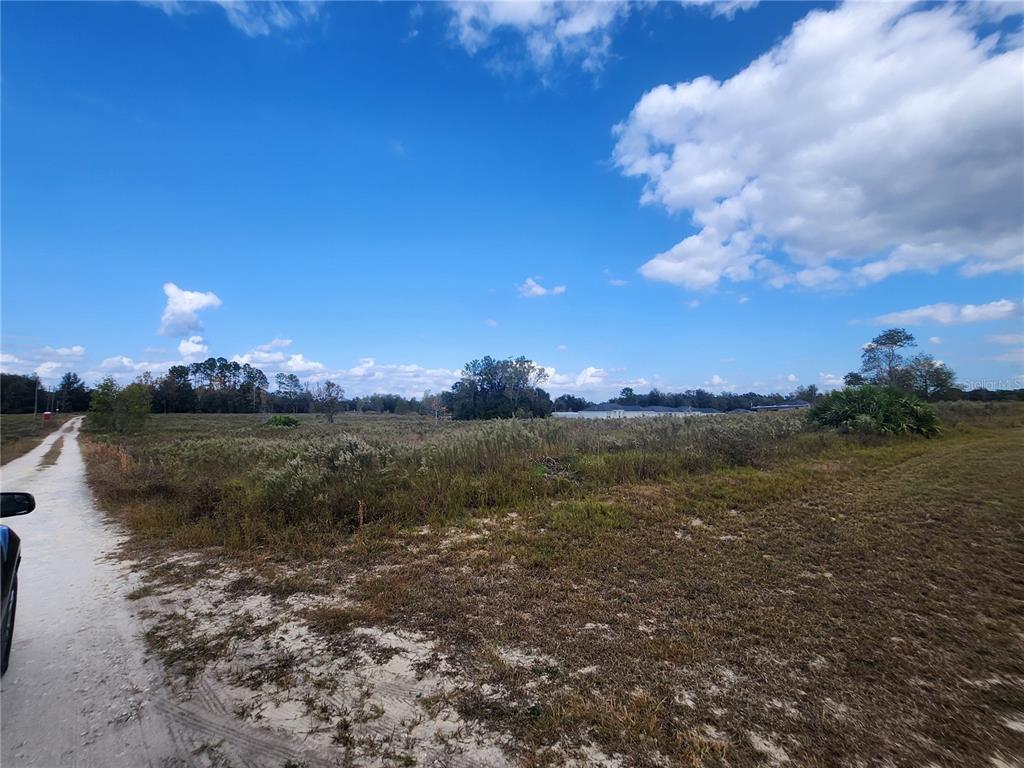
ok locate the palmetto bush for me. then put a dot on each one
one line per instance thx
(875, 410)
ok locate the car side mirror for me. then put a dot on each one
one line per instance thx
(14, 504)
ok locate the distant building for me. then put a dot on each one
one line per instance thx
(617, 411)
(788, 405)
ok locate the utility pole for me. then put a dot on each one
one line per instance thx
(35, 406)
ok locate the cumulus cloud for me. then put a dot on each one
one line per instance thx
(951, 314)
(792, 378)
(192, 348)
(369, 376)
(48, 362)
(120, 366)
(590, 378)
(936, 340)
(258, 18)
(530, 288)
(880, 133)
(271, 359)
(47, 370)
(299, 364)
(830, 380)
(180, 317)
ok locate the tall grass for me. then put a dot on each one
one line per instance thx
(259, 486)
(234, 482)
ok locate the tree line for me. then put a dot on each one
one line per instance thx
(487, 388)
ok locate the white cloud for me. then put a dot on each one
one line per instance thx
(717, 382)
(256, 18)
(408, 380)
(1007, 338)
(530, 288)
(122, 366)
(743, 300)
(936, 340)
(725, 8)
(830, 380)
(75, 351)
(951, 314)
(590, 377)
(491, 322)
(539, 33)
(275, 344)
(880, 132)
(192, 348)
(693, 303)
(271, 360)
(48, 362)
(299, 364)
(46, 370)
(815, 277)
(561, 348)
(180, 317)
(792, 378)
(618, 282)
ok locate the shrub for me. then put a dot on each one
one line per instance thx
(875, 410)
(280, 420)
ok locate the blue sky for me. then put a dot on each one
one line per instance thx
(733, 196)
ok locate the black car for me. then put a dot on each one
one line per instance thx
(11, 504)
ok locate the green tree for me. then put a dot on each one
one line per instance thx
(854, 379)
(493, 389)
(102, 407)
(626, 397)
(808, 393)
(72, 394)
(132, 407)
(927, 377)
(571, 403)
(290, 390)
(174, 392)
(882, 359)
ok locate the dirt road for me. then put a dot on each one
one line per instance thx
(79, 690)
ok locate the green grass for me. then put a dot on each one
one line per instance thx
(21, 432)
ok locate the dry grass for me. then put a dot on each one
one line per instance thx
(822, 599)
(52, 453)
(21, 432)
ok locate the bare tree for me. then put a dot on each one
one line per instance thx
(327, 399)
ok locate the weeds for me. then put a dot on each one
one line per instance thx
(314, 485)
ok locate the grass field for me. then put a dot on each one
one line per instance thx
(21, 432)
(724, 591)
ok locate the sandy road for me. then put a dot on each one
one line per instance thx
(79, 690)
